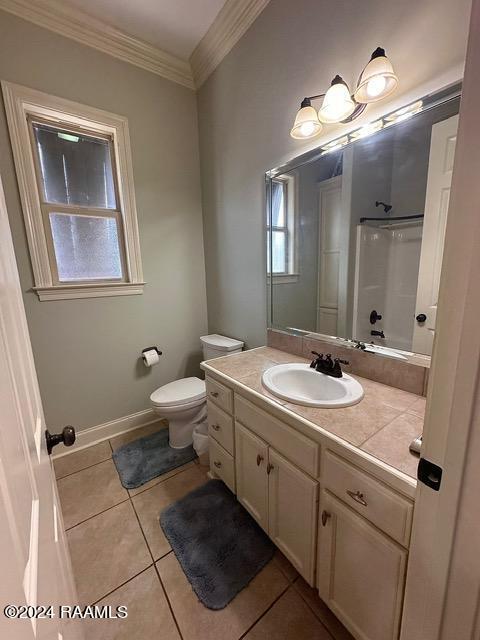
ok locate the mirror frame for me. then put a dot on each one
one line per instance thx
(431, 100)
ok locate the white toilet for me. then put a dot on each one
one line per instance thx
(184, 402)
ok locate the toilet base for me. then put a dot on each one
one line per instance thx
(182, 422)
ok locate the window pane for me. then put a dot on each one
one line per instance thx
(279, 252)
(278, 204)
(76, 169)
(86, 247)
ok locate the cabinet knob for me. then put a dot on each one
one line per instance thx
(358, 497)
(214, 394)
(217, 464)
(269, 468)
(216, 427)
(259, 460)
(325, 516)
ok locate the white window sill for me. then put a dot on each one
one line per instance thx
(287, 278)
(71, 291)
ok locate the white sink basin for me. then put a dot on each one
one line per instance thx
(300, 384)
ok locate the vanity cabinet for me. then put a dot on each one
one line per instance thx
(361, 572)
(281, 498)
(364, 532)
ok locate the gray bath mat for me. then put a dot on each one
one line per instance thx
(220, 547)
(146, 458)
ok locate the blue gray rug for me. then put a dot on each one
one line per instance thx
(146, 458)
(218, 544)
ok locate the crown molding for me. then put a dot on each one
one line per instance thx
(232, 21)
(74, 24)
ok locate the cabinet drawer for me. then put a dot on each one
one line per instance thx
(220, 394)
(385, 508)
(293, 445)
(220, 426)
(221, 464)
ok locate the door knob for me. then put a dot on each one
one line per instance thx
(67, 437)
(421, 317)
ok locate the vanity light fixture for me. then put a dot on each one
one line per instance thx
(306, 123)
(376, 81)
(404, 113)
(366, 130)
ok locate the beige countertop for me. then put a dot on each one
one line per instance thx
(382, 424)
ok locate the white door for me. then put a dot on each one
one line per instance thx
(331, 260)
(251, 459)
(292, 513)
(361, 572)
(33, 555)
(440, 167)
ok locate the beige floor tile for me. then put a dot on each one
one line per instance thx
(418, 408)
(285, 566)
(164, 476)
(150, 503)
(196, 622)
(391, 444)
(289, 619)
(82, 459)
(125, 438)
(149, 615)
(90, 491)
(320, 609)
(106, 551)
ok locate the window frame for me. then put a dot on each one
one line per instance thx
(291, 274)
(25, 106)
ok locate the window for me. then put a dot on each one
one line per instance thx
(75, 177)
(282, 229)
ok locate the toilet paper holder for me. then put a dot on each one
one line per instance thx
(152, 349)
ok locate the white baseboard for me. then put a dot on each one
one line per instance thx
(93, 435)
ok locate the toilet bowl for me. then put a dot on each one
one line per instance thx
(183, 402)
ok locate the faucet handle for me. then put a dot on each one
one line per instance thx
(339, 360)
(315, 361)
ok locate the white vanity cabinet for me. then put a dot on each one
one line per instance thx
(281, 498)
(364, 531)
(342, 522)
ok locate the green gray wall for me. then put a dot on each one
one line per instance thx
(87, 351)
(246, 109)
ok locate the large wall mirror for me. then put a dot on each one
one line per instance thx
(356, 229)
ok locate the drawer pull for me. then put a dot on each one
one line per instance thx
(358, 497)
(269, 468)
(214, 394)
(325, 517)
(216, 427)
(217, 464)
(259, 460)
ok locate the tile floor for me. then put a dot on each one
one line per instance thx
(121, 557)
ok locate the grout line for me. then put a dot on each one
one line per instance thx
(168, 600)
(96, 514)
(90, 466)
(122, 584)
(267, 609)
(177, 471)
(330, 633)
(156, 569)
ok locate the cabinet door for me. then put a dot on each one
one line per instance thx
(361, 572)
(292, 513)
(251, 474)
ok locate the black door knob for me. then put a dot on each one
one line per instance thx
(67, 437)
(421, 317)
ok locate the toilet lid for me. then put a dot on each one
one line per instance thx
(179, 392)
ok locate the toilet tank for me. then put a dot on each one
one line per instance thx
(215, 346)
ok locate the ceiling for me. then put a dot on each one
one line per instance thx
(175, 26)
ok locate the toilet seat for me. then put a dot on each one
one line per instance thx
(187, 392)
